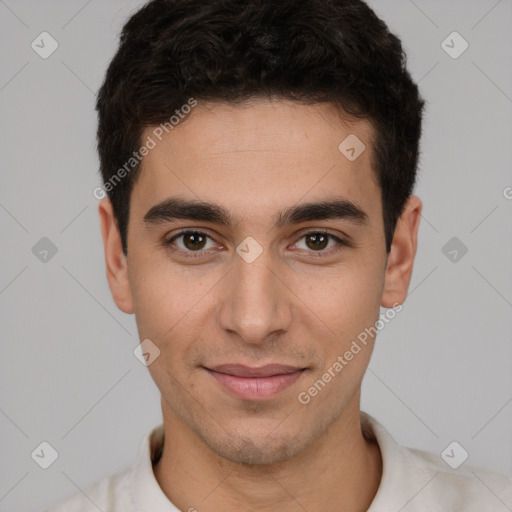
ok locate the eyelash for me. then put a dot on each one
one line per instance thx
(194, 254)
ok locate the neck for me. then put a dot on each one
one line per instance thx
(342, 468)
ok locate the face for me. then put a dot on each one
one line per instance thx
(257, 280)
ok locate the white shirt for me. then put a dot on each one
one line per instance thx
(412, 481)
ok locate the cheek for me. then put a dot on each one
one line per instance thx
(346, 299)
(348, 305)
(171, 310)
(160, 299)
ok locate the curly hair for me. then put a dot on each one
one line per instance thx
(308, 51)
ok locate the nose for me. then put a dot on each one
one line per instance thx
(256, 302)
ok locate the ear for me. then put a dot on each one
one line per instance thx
(401, 256)
(115, 260)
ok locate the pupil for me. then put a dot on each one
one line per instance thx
(322, 243)
(194, 244)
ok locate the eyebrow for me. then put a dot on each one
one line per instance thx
(175, 208)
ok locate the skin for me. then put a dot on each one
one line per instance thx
(288, 306)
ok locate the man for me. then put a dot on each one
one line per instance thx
(259, 160)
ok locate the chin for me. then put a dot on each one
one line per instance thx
(255, 449)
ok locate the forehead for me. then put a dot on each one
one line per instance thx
(260, 154)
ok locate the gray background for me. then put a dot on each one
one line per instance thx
(441, 371)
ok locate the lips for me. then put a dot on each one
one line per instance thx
(255, 383)
(268, 370)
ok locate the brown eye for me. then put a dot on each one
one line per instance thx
(191, 241)
(317, 241)
(194, 241)
(320, 242)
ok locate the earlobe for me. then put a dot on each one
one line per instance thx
(115, 260)
(401, 257)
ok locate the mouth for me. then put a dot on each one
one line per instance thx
(255, 383)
